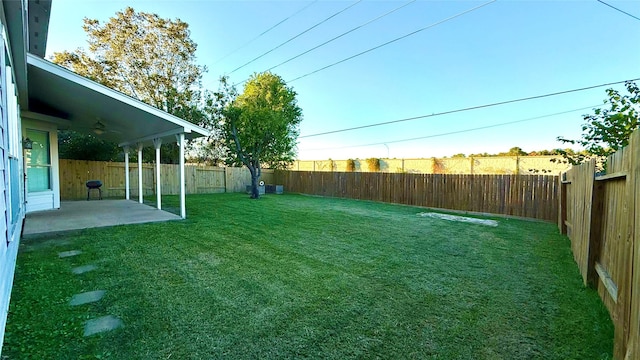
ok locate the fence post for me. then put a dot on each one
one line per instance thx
(225, 179)
(595, 232)
(562, 200)
(633, 350)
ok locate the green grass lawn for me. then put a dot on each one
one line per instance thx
(305, 277)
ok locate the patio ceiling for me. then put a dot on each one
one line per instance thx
(77, 103)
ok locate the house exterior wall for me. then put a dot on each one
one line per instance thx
(12, 209)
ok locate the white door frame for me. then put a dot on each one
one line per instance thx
(44, 200)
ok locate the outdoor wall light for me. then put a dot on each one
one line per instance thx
(27, 144)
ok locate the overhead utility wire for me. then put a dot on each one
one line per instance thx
(300, 34)
(468, 108)
(394, 40)
(343, 34)
(460, 131)
(266, 31)
(615, 8)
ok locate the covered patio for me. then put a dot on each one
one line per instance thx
(78, 215)
(61, 99)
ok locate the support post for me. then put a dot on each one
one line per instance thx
(183, 207)
(140, 193)
(157, 142)
(127, 186)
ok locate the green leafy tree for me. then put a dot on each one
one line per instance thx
(146, 57)
(258, 127)
(484, 154)
(86, 147)
(514, 151)
(608, 128)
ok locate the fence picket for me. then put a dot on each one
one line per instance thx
(198, 179)
(515, 195)
(600, 216)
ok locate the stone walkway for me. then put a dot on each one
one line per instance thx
(71, 253)
(102, 324)
(86, 297)
(97, 325)
(83, 269)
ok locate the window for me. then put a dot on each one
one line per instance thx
(38, 162)
(14, 184)
(11, 123)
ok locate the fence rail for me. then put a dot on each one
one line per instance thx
(532, 196)
(600, 215)
(199, 179)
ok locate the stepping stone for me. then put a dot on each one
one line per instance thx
(65, 254)
(83, 269)
(86, 297)
(102, 324)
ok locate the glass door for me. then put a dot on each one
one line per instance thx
(38, 160)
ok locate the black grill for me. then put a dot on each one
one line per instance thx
(94, 184)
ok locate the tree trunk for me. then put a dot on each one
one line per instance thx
(255, 176)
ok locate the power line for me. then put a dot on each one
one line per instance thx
(468, 108)
(295, 37)
(333, 39)
(264, 32)
(615, 8)
(394, 40)
(460, 131)
(343, 34)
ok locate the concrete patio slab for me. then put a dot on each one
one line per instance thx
(86, 297)
(69, 253)
(102, 324)
(77, 215)
(83, 269)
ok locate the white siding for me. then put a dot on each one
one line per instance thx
(11, 187)
(7, 257)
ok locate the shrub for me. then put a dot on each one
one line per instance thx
(351, 165)
(374, 164)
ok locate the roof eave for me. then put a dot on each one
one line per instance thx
(57, 70)
(15, 16)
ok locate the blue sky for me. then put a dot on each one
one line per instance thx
(502, 51)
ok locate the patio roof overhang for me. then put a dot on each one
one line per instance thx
(77, 103)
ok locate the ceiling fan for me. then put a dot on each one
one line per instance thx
(99, 128)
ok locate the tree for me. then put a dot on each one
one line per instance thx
(258, 127)
(351, 165)
(607, 129)
(514, 151)
(76, 146)
(373, 164)
(146, 57)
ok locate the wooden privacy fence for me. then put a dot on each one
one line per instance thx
(600, 214)
(479, 165)
(199, 179)
(531, 196)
